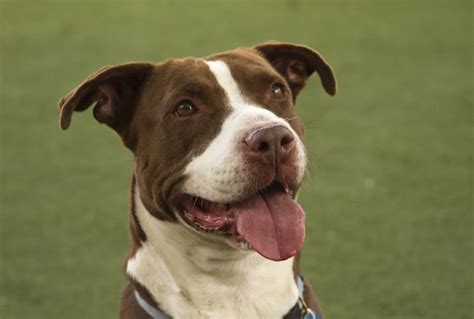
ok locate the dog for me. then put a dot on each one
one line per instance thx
(219, 158)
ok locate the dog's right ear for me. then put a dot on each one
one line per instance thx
(113, 89)
(296, 63)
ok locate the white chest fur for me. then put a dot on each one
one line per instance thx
(196, 275)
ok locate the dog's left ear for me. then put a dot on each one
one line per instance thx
(296, 63)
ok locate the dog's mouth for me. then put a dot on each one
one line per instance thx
(270, 221)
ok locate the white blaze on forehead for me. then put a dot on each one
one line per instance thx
(223, 76)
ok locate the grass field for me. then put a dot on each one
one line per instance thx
(389, 196)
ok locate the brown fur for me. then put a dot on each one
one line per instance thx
(137, 100)
(129, 307)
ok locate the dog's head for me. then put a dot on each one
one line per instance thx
(216, 140)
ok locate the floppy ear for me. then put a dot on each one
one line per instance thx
(112, 88)
(296, 63)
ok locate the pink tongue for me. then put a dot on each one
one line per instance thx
(272, 223)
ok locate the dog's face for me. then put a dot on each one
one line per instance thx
(216, 140)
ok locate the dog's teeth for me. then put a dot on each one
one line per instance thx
(245, 246)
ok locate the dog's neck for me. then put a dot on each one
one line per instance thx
(196, 275)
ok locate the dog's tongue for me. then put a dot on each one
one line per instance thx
(272, 223)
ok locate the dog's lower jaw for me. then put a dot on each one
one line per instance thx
(191, 275)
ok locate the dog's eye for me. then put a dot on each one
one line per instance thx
(278, 90)
(185, 108)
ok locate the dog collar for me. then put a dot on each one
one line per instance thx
(153, 312)
(299, 310)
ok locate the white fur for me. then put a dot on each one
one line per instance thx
(226, 81)
(198, 275)
(219, 173)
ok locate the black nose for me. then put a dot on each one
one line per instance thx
(271, 144)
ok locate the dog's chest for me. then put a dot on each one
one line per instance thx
(259, 291)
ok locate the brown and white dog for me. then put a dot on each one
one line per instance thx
(216, 231)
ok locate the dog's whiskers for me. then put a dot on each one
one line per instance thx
(292, 118)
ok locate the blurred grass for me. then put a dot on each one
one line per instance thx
(389, 194)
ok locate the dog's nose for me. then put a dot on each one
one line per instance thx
(271, 144)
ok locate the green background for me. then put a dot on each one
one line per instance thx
(388, 196)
